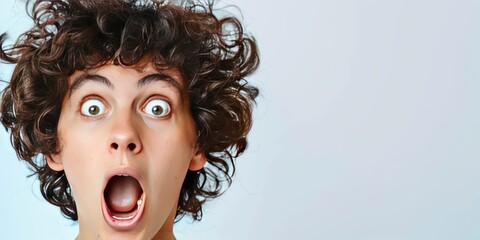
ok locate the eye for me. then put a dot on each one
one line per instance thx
(157, 108)
(93, 108)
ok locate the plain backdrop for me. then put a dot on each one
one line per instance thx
(367, 127)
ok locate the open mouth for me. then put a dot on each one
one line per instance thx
(123, 202)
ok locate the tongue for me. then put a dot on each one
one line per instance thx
(122, 193)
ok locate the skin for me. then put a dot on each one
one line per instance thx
(126, 134)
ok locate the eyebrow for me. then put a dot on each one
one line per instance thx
(86, 77)
(160, 77)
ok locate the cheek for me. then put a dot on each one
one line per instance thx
(78, 155)
(168, 161)
(78, 147)
(170, 146)
(169, 158)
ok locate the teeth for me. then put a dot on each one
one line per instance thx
(124, 218)
(139, 202)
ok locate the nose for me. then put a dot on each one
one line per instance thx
(124, 136)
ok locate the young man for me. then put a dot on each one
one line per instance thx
(130, 112)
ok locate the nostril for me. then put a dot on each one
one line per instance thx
(114, 146)
(132, 146)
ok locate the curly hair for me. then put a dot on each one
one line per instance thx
(213, 54)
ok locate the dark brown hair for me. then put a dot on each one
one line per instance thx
(214, 56)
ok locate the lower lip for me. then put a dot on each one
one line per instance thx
(126, 224)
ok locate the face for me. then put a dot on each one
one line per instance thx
(127, 139)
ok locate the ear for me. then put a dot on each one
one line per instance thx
(198, 161)
(54, 161)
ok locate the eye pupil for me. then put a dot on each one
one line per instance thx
(157, 110)
(94, 110)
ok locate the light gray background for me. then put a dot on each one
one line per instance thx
(367, 128)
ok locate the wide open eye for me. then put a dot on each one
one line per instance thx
(93, 108)
(157, 108)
